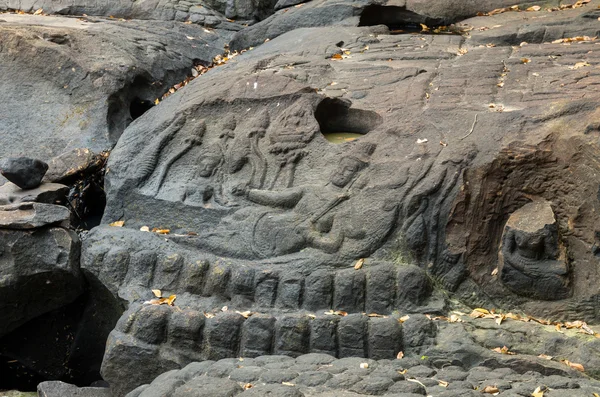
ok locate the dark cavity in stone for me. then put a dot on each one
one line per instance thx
(335, 116)
(395, 18)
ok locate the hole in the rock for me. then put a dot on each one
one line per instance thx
(340, 123)
(138, 107)
(128, 104)
(44, 349)
(395, 18)
(87, 198)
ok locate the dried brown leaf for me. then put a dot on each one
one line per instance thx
(490, 390)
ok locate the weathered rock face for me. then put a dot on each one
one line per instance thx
(264, 214)
(77, 83)
(397, 14)
(43, 262)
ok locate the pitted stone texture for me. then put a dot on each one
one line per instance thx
(384, 380)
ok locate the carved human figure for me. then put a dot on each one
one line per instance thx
(343, 217)
(533, 263)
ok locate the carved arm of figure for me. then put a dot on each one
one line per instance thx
(330, 242)
(287, 198)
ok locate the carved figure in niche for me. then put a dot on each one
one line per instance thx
(209, 164)
(341, 217)
(293, 130)
(532, 261)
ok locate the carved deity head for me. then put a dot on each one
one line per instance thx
(351, 164)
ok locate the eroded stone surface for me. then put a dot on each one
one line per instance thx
(362, 377)
(87, 79)
(44, 262)
(32, 215)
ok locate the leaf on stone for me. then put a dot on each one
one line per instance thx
(161, 231)
(499, 319)
(157, 293)
(579, 65)
(400, 355)
(538, 392)
(245, 314)
(248, 386)
(144, 229)
(402, 372)
(39, 11)
(525, 60)
(495, 271)
(534, 8)
(224, 308)
(454, 319)
(359, 264)
(403, 319)
(503, 350)
(337, 57)
(311, 316)
(364, 365)
(479, 312)
(208, 315)
(443, 383)
(375, 315)
(288, 384)
(117, 224)
(575, 366)
(171, 299)
(545, 357)
(490, 390)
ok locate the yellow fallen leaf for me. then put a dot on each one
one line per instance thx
(157, 293)
(359, 264)
(503, 350)
(156, 101)
(161, 231)
(525, 60)
(534, 8)
(403, 319)
(443, 383)
(375, 315)
(545, 357)
(39, 11)
(117, 224)
(578, 65)
(399, 355)
(171, 299)
(403, 372)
